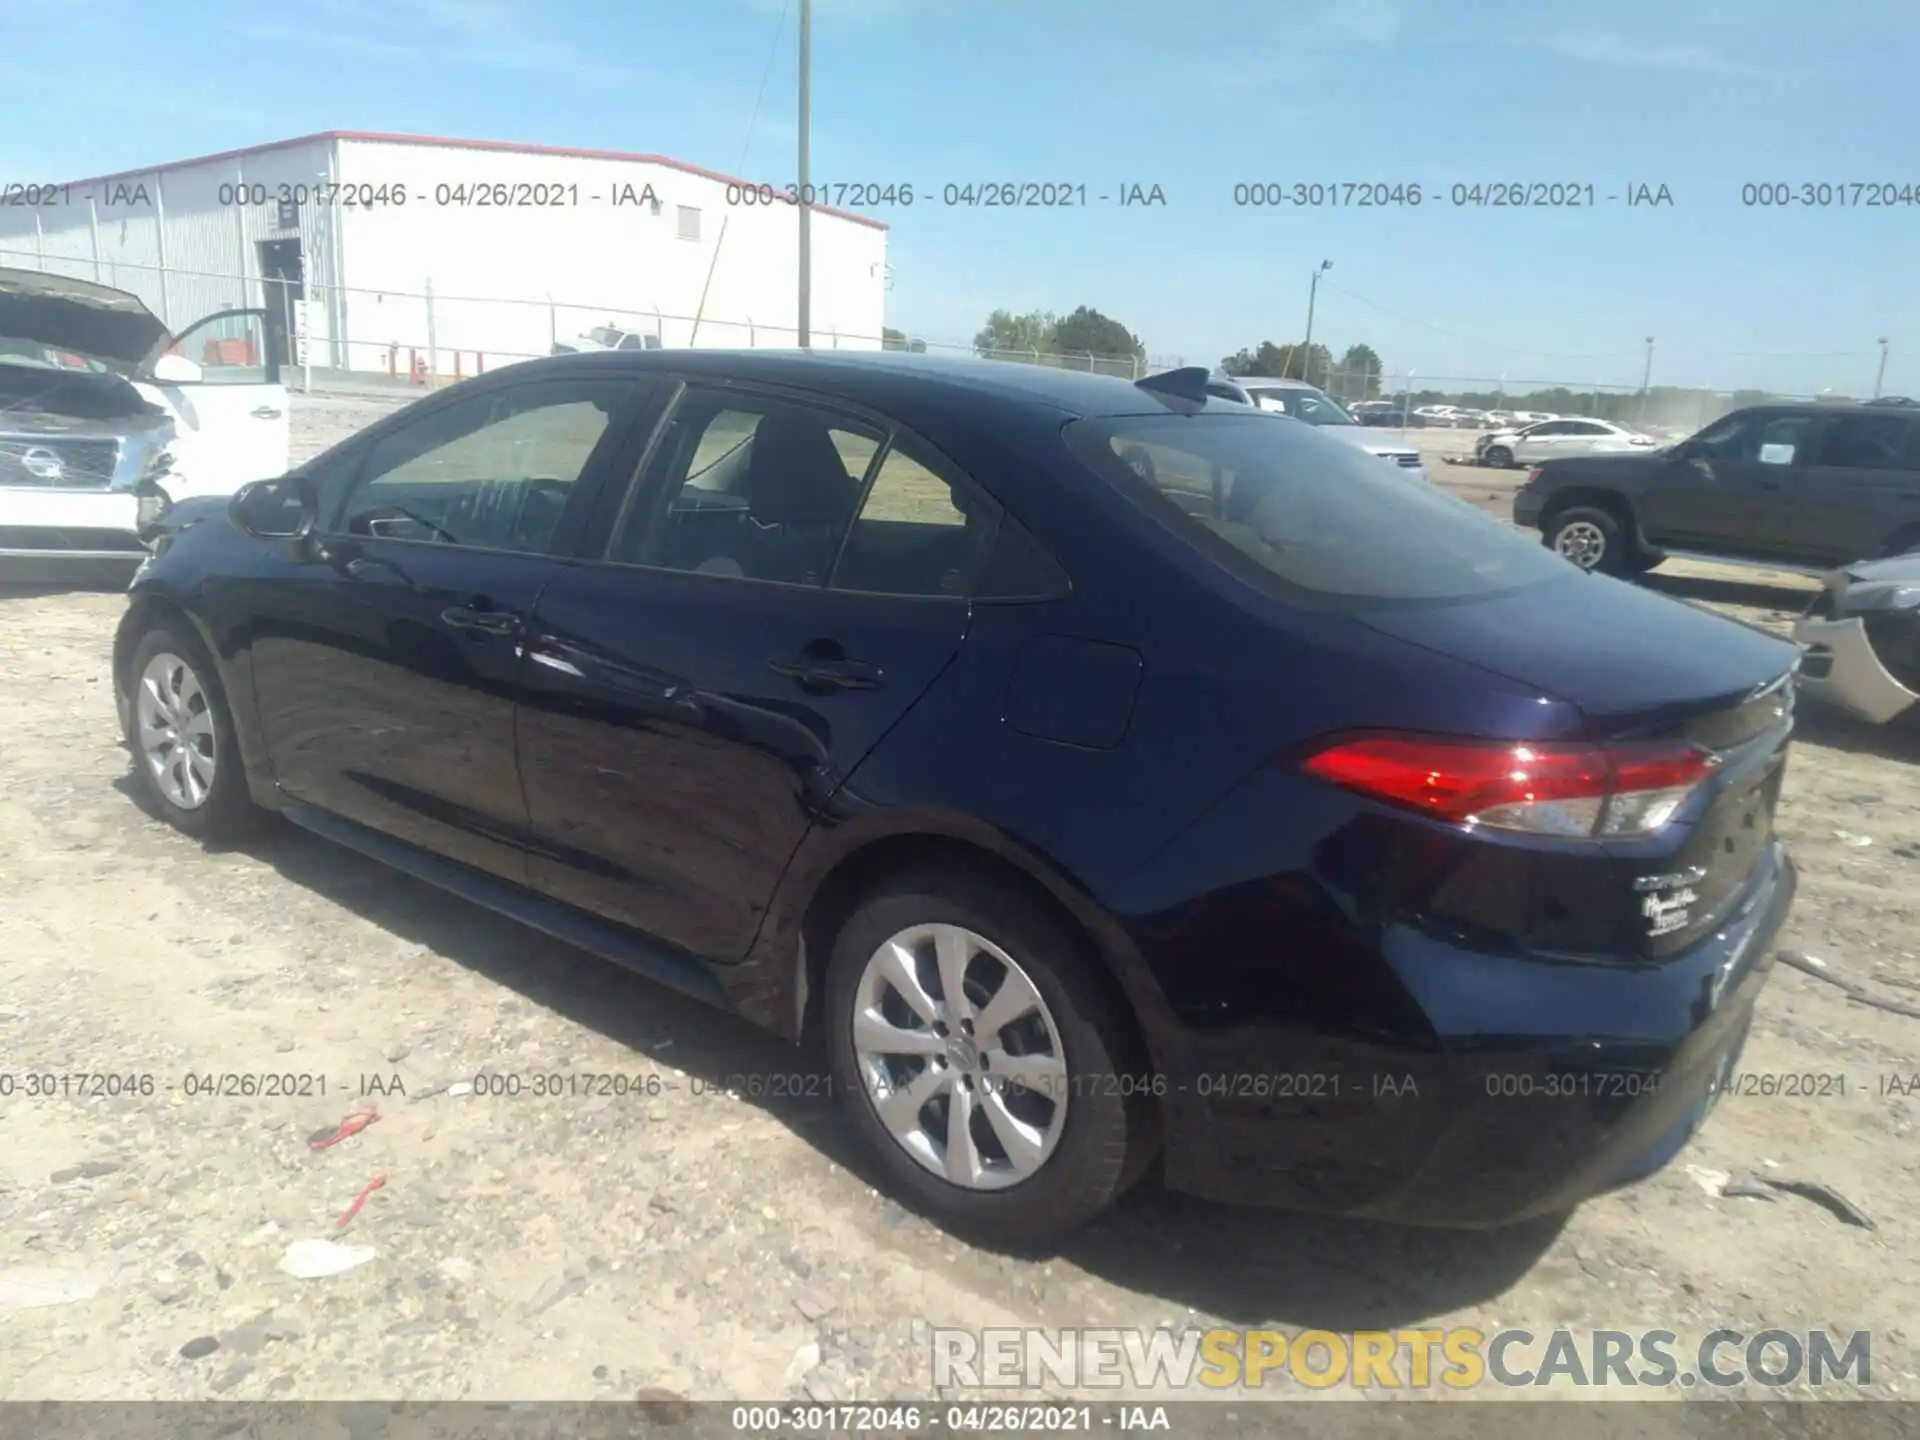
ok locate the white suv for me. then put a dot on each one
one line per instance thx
(105, 421)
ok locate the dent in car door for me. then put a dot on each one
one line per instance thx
(686, 718)
(386, 652)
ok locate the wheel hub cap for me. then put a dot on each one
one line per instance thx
(961, 1058)
(1582, 543)
(174, 721)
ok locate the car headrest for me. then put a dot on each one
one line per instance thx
(795, 476)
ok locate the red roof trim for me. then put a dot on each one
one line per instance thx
(381, 138)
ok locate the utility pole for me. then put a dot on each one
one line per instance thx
(1646, 380)
(806, 176)
(1881, 379)
(1313, 290)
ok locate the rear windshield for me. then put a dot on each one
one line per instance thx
(1304, 515)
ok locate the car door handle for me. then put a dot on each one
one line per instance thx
(542, 651)
(817, 673)
(490, 622)
(265, 412)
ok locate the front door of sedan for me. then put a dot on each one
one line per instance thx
(694, 700)
(387, 647)
(1542, 442)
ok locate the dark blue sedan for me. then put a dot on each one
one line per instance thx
(1101, 771)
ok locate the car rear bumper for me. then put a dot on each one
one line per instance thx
(1538, 1086)
(1527, 506)
(1841, 668)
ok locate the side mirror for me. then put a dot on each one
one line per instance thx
(174, 369)
(273, 509)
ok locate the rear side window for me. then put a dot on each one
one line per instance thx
(1303, 515)
(1868, 442)
(921, 529)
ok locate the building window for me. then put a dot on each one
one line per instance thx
(689, 228)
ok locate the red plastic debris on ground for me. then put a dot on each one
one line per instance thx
(352, 1125)
(354, 1209)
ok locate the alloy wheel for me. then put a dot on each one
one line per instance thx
(1582, 542)
(961, 1058)
(175, 720)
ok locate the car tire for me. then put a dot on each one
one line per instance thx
(1067, 1036)
(1499, 457)
(1590, 538)
(181, 736)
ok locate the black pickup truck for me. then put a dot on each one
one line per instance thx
(1812, 485)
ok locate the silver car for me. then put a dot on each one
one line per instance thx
(1861, 636)
(1312, 405)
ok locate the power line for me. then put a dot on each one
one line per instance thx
(767, 70)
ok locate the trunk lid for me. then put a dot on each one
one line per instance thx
(1640, 666)
(1633, 661)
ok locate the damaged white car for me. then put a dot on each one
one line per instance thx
(106, 420)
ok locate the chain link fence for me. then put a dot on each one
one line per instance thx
(354, 338)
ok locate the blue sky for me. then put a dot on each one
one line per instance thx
(1701, 97)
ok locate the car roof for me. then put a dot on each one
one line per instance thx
(1820, 407)
(885, 379)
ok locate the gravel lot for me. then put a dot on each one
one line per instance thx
(719, 1245)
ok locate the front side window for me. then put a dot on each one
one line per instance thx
(1756, 435)
(1304, 516)
(756, 488)
(493, 472)
(229, 349)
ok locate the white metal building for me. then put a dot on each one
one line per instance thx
(474, 252)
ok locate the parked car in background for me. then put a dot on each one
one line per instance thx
(1440, 416)
(608, 337)
(1501, 420)
(1551, 439)
(1469, 419)
(1055, 748)
(1811, 485)
(105, 421)
(1306, 403)
(1862, 639)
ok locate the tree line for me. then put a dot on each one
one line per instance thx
(1357, 375)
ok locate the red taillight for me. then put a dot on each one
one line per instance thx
(1573, 790)
(1533, 474)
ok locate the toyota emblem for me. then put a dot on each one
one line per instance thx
(42, 463)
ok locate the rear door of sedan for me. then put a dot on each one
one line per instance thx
(694, 694)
